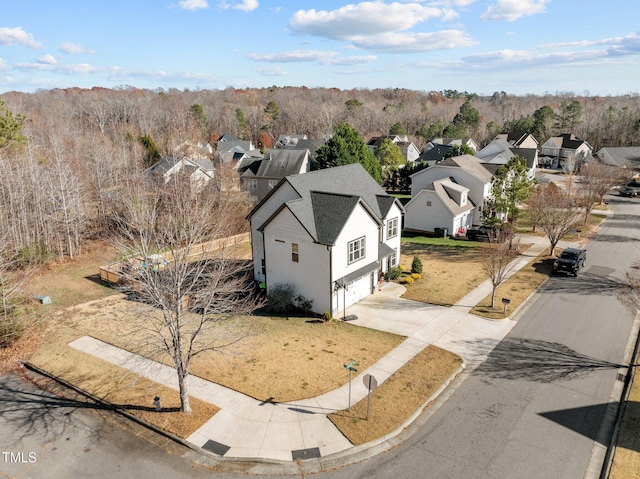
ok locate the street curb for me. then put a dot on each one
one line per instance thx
(260, 466)
(634, 339)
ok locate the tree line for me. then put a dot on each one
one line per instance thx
(64, 153)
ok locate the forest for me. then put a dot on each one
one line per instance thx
(65, 153)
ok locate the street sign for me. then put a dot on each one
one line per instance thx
(370, 382)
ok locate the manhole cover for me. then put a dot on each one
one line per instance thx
(311, 453)
(216, 447)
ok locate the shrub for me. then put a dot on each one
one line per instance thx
(283, 299)
(400, 267)
(407, 280)
(327, 316)
(416, 265)
(416, 276)
(393, 273)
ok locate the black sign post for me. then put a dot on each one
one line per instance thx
(370, 383)
(349, 367)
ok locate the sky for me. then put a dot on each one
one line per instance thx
(481, 46)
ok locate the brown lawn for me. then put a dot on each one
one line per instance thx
(449, 273)
(395, 400)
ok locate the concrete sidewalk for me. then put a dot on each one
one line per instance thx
(247, 428)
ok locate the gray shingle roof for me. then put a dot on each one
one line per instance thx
(278, 163)
(327, 198)
(470, 164)
(623, 156)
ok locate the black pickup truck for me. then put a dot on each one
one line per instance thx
(570, 261)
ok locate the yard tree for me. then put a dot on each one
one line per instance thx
(554, 211)
(596, 179)
(511, 187)
(345, 147)
(185, 284)
(497, 262)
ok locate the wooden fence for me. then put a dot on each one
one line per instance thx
(111, 273)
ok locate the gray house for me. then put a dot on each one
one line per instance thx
(260, 176)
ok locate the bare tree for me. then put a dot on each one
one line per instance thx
(188, 281)
(497, 262)
(555, 212)
(596, 179)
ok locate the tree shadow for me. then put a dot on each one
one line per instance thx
(27, 410)
(584, 284)
(539, 361)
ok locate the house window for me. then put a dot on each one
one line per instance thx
(391, 260)
(251, 184)
(272, 184)
(428, 200)
(392, 228)
(463, 199)
(356, 250)
(294, 252)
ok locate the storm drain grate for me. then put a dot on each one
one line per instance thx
(216, 447)
(311, 453)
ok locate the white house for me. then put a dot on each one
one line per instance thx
(331, 233)
(500, 151)
(441, 204)
(467, 171)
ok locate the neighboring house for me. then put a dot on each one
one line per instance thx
(500, 151)
(200, 171)
(260, 176)
(288, 140)
(556, 150)
(194, 160)
(519, 140)
(228, 146)
(441, 204)
(331, 233)
(453, 142)
(434, 153)
(410, 151)
(467, 171)
(621, 156)
(299, 142)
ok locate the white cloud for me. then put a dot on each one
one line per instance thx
(513, 9)
(74, 69)
(315, 56)
(382, 27)
(3, 66)
(271, 71)
(414, 42)
(193, 4)
(48, 60)
(17, 36)
(244, 5)
(354, 60)
(366, 18)
(73, 48)
(291, 57)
